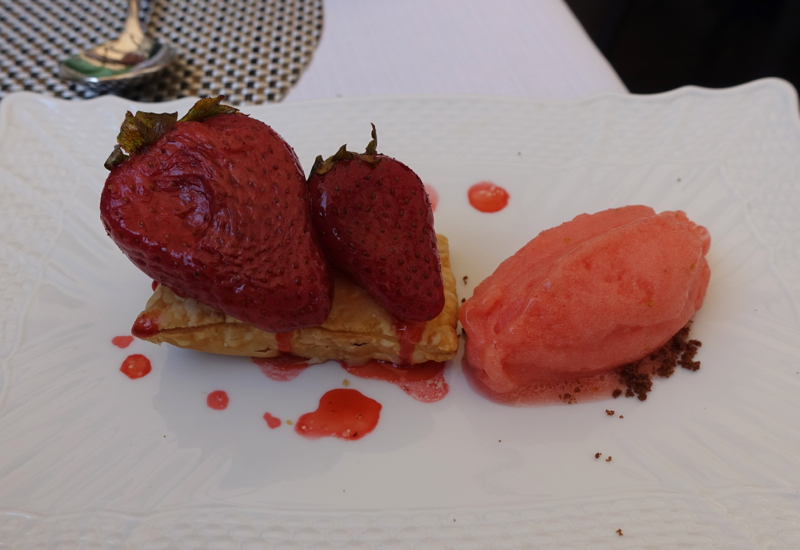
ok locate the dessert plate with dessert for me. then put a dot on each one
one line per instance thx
(573, 240)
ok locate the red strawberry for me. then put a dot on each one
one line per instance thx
(375, 223)
(215, 207)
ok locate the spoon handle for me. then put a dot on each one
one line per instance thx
(133, 27)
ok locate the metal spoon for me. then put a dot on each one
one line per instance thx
(121, 62)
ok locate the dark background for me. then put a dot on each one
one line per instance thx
(659, 45)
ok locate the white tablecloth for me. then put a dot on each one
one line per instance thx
(511, 48)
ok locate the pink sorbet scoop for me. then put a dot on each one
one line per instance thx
(580, 299)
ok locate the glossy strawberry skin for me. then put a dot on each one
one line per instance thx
(375, 223)
(218, 211)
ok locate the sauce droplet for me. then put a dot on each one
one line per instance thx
(135, 366)
(281, 368)
(272, 421)
(217, 400)
(145, 326)
(487, 197)
(408, 335)
(122, 342)
(424, 381)
(344, 413)
(433, 196)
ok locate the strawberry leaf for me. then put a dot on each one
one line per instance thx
(140, 130)
(370, 156)
(137, 132)
(116, 158)
(208, 107)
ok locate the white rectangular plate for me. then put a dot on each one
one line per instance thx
(711, 458)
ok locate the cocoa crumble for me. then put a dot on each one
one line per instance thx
(568, 398)
(609, 412)
(637, 377)
(598, 455)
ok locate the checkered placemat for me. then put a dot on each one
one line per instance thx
(251, 51)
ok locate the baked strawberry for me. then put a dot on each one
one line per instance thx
(374, 221)
(215, 206)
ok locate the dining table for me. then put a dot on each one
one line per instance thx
(257, 51)
(111, 442)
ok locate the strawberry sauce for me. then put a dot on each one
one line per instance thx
(424, 382)
(135, 366)
(282, 368)
(409, 334)
(145, 326)
(343, 413)
(122, 342)
(272, 421)
(284, 341)
(487, 197)
(217, 400)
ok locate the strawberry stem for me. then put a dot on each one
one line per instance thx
(372, 146)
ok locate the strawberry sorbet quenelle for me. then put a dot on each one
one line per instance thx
(579, 301)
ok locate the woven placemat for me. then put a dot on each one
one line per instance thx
(251, 51)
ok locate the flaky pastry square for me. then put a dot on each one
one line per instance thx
(357, 330)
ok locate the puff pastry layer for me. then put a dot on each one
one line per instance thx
(357, 330)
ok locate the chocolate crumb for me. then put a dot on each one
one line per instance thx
(621, 416)
(463, 300)
(568, 398)
(619, 532)
(688, 354)
(609, 412)
(608, 459)
(465, 278)
(598, 455)
(637, 377)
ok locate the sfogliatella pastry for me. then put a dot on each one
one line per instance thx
(357, 330)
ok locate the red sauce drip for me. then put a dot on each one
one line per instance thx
(409, 334)
(135, 366)
(424, 381)
(487, 197)
(154, 285)
(282, 368)
(272, 421)
(145, 326)
(433, 197)
(284, 341)
(342, 413)
(217, 400)
(122, 342)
